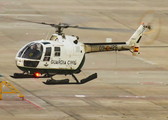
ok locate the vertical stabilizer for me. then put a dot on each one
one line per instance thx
(136, 37)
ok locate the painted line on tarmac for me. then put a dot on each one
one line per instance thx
(152, 63)
(131, 96)
(33, 104)
(150, 83)
(36, 80)
(4, 85)
(79, 95)
(17, 15)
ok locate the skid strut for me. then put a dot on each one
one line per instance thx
(75, 78)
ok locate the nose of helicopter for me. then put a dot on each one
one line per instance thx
(19, 61)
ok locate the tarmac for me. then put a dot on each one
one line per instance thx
(127, 87)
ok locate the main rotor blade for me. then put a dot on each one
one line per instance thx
(22, 20)
(65, 25)
(43, 23)
(76, 26)
(106, 29)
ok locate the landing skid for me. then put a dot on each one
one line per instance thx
(22, 75)
(66, 81)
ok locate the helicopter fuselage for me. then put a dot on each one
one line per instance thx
(59, 55)
(63, 54)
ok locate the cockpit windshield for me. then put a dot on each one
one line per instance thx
(33, 51)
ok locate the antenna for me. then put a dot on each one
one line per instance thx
(47, 35)
(116, 56)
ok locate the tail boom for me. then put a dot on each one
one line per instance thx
(102, 47)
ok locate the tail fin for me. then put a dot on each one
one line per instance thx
(136, 37)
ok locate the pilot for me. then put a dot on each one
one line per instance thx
(34, 52)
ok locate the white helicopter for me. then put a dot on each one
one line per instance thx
(64, 54)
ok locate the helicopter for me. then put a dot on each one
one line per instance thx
(65, 55)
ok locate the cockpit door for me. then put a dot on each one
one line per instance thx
(47, 55)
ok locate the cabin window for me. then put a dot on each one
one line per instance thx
(46, 43)
(57, 51)
(54, 37)
(47, 54)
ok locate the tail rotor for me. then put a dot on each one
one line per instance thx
(153, 25)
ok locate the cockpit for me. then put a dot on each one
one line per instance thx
(36, 53)
(31, 51)
(31, 54)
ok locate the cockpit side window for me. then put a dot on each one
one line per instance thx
(57, 51)
(47, 54)
(33, 51)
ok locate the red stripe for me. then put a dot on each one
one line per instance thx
(33, 104)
